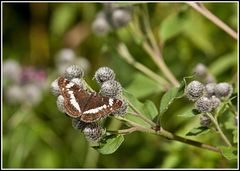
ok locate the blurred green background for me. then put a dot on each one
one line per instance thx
(41, 137)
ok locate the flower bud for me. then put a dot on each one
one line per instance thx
(93, 132)
(104, 74)
(74, 71)
(14, 94)
(122, 110)
(60, 104)
(210, 89)
(12, 70)
(65, 56)
(223, 90)
(32, 94)
(55, 88)
(210, 79)
(100, 25)
(111, 88)
(79, 82)
(120, 17)
(215, 102)
(194, 90)
(78, 124)
(203, 104)
(205, 120)
(201, 71)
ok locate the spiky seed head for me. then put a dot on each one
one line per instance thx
(73, 71)
(111, 88)
(210, 89)
(60, 104)
(215, 102)
(223, 90)
(205, 120)
(100, 25)
(55, 88)
(203, 104)
(79, 82)
(14, 94)
(93, 132)
(78, 124)
(201, 70)
(123, 109)
(104, 74)
(120, 17)
(194, 90)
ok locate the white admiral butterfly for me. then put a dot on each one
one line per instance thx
(89, 107)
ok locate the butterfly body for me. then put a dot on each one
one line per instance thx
(89, 107)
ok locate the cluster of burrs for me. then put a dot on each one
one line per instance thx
(111, 17)
(207, 97)
(105, 77)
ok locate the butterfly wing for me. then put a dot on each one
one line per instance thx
(99, 107)
(74, 97)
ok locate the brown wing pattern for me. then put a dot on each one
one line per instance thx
(73, 102)
(89, 107)
(100, 109)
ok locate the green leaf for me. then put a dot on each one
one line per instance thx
(235, 136)
(63, 16)
(111, 144)
(147, 109)
(229, 153)
(190, 113)
(170, 96)
(223, 63)
(142, 86)
(172, 26)
(136, 120)
(150, 109)
(197, 131)
(197, 31)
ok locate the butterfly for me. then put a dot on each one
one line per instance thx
(87, 106)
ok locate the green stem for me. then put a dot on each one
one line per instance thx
(155, 55)
(124, 53)
(172, 136)
(165, 134)
(219, 129)
(141, 115)
(199, 7)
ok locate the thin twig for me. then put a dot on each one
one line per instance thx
(124, 53)
(172, 136)
(205, 12)
(142, 115)
(219, 129)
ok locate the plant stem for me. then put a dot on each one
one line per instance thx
(142, 116)
(158, 59)
(205, 12)
(124, 131)
(165, 134)
(154, 52)
(219, 129)
(124, 53)
(172, 136)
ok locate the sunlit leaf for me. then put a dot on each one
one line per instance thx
(197, 131)
(170, 96)
(229, 153)
(111, 144)
(147, 109)
(142, 86)
(223, 63)
(171, 26)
